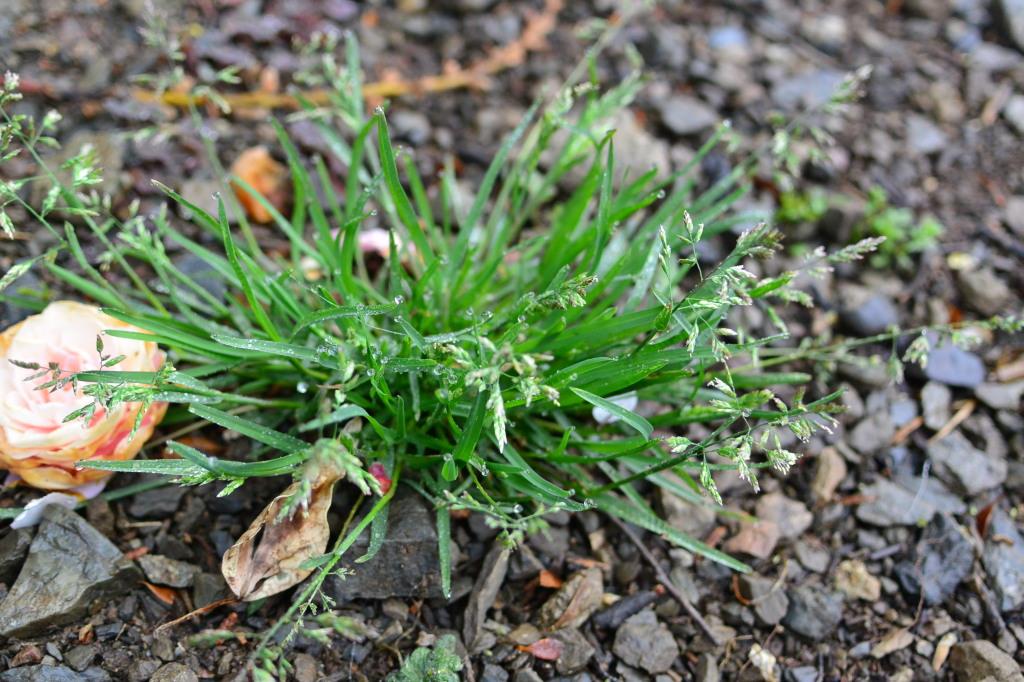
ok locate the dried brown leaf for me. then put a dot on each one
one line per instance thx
(265, 175)
(268, 558)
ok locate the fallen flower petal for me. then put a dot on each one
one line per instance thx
(36, 443)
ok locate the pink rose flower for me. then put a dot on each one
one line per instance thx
(35, 442)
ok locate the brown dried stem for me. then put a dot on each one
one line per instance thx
(454, 77)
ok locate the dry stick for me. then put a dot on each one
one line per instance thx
(963, 413)
(192, 614)
(454, 77)
(667, 582)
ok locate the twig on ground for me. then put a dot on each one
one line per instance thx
(453, 77)
(667, 582)
(963, 413)
(202, 610)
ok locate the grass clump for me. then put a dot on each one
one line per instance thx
(491, 363)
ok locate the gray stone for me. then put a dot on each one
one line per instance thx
(203, 275)
(941, 560)
(411, 126)
(27, 285)
(923, 136)
(208, 588)
(964, 467)
(69, 566)
(164, 571)
(769, 601)
(174, 672)
(1013, 112)
(53, 673)
(888, 504)
(636, 150)
(812, 556)
(81, 657)
(813, 612)
(643, 642)
(707, 669)
(695, 520)
(936, 399)
(954, 366)
(1009, 16)
(405, 566)
(493, 673)
(1001, 396)
(983, 661)
(485, 591)
(306, 668)
(872, 434)
(685, 115)
(791, 517)
(803, 673)
(1014, 214)
(159, 503)
(807, 90)
(13, 548)
(1003, 559)
(984, 291)
(576, 651)
(865, 311)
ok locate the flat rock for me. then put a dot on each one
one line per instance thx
(576, 651)
(813, 612)
(164, 571)
(685, 115)
(865, 311)
(768, 600)
(643, 642)
(964, 467)
(873, 433)
(13, 549)
(1003, 559)
(983, 661)
(887, 503)
(695, 520)
(1001, 396)
(1009, 15)
(936, 399)
(923, 136)
(790, 516)
(807, 90)
(756, 539)
(828, 474)
(405, 566)
(53, 673)
(485, 590)
(70, 565)
(174, 672)
(941, 560)
(159, 503)
(983, 290)
(954, 366)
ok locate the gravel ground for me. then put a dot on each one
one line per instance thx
(892, 551)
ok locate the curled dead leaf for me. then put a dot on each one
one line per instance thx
(269, 556)
(260, 171)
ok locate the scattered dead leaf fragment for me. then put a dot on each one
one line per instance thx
(257, 168)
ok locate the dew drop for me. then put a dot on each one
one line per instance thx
(399, 300)
(302, 387)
